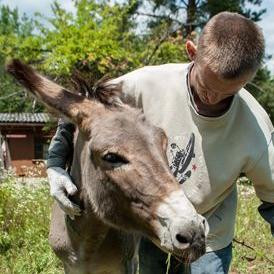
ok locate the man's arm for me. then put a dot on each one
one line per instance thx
(262, 177)
(60, 152)
(61, 146)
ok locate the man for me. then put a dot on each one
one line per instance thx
(216, 131)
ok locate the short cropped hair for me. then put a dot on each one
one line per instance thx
(231, 45)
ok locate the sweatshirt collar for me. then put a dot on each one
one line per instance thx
(205, 119)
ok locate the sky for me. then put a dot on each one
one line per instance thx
(43, 6)
(267, 24)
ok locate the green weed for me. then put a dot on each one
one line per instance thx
(24, 222)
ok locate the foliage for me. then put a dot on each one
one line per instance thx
(262, 88)
(189, 15)
(15, 36)
(99, 39)
(24, 223)
(248, 8)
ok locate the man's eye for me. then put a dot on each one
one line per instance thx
(115, 159)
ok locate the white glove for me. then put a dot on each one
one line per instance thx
(61, 185)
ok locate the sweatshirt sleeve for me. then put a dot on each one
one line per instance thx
(262, 174)
(262, 177)
(61, 146)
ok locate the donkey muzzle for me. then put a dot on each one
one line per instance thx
(180, 229)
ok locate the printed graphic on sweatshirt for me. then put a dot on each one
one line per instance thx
(181, 159)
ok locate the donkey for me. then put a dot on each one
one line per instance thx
(125, 185)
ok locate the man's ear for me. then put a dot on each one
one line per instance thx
(75, 107)
(191, 50)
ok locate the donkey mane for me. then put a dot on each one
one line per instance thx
(103, 90)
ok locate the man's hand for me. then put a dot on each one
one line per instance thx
(61, 185)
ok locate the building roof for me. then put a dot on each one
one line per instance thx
(24, 118)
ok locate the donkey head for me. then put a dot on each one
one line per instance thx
(124, 169)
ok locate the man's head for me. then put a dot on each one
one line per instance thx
(229, 52)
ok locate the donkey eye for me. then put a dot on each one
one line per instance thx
(115, 159)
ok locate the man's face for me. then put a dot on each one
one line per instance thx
(211, 88)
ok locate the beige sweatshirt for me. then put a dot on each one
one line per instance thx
(207, 154)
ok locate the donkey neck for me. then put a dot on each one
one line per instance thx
(88, 227)
(84, 176)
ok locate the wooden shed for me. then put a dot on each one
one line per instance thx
(25, 142)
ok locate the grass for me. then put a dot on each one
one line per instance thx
(255, 253)
(24, 221)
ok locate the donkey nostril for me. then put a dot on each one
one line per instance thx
(182, 239)
(204, 224)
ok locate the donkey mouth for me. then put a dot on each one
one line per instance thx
(187, 255)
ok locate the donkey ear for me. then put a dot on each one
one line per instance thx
(77, 108)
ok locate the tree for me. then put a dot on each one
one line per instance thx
(262, 88)
(16, 35)
(100, 38)
(190, 14)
